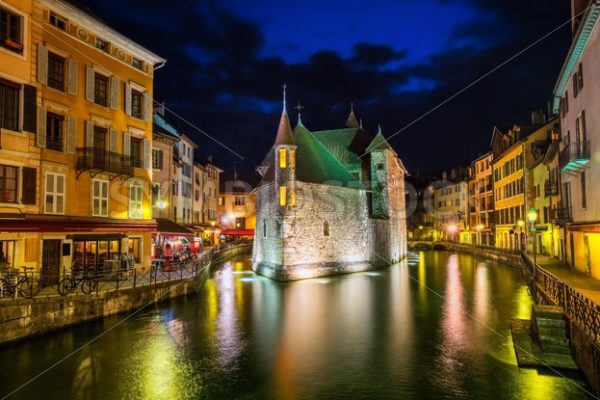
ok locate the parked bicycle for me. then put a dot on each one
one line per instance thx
(88, 282)
(13, 284)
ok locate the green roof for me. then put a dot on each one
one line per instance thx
(347, 145)
(379, 143)
(316, 164)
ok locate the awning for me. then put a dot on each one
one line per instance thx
(69, 224)
(92, 237)
(166, 227)
(238, 232)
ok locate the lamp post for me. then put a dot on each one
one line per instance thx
(532, 216)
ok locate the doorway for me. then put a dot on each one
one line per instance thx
(50, 262)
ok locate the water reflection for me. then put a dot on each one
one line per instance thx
(382, 334)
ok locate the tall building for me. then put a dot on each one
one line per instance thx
(237, 209)
(86, 121)
(513, 149)
(451, 211)
(211, 182)
(313, 195)
(576, 99)
(481, 201)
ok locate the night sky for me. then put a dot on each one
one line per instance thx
(394, 59)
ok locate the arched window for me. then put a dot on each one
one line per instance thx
(325, 228)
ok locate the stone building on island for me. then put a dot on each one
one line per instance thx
(329, 202)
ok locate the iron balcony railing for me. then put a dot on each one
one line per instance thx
(89, 158)
(574, 156)
(550, 188)
(560, 215)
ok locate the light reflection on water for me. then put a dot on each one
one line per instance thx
(437, 329)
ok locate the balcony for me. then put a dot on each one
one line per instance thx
(560, 215)
(574, 157)
(101, 161)
(550, 188)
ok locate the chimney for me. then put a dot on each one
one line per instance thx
(537, 117)
(160, 109)
(209, 159)
(577, 13)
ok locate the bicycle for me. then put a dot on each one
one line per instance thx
(86, 283)
(22, 286)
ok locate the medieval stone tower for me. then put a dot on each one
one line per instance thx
(329, 202)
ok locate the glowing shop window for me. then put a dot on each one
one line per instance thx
(282, 159)
(282, 195)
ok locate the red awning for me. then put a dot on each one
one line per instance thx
(238, 232)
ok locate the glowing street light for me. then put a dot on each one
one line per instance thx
(532, 216)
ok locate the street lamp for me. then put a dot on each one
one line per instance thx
(521, 224)
(532, 216)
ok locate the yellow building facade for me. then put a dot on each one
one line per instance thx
(91, 188)
(512, 151)
(481, 201)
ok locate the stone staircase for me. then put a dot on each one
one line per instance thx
(543, 341)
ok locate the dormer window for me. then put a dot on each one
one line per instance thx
(137, 63)
(282, 158)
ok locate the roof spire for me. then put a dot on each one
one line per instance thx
(361, 123)
(284, 99)
(379, 130)
(351, 121)
(299, 107)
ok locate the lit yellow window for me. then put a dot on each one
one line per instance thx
(282, 195)
(293, 196)
(282, 159)
(292, 158)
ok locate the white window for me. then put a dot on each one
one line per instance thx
(136, 194)
(55, 194)
(99, 198)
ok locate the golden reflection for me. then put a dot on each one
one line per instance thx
(482, 296)
(228, 342)
(401, 321)
(523, 303)
(422, 282)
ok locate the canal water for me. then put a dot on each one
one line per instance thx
(432, 327)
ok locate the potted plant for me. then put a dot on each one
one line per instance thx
(12, 44)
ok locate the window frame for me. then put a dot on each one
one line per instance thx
(54, 193)
(58, 19)
(54, 60)
(3, 181)
(19, 38)
(98, 77)
(15, 104)
(136, 201)
(51, 143)
(100, 198)
(137, 106)
(136, 155)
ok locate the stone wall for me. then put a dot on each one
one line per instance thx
(22, 318)
(268, 241)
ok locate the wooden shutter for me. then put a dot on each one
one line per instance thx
(146, 154)
(114, 93)
(147, 106)
(29, 108)
(113, 140)
(89, 84)
(73, 77)
(41, 127)
(89, 134)
(29, 185)
(126, 144)
(127, 98)
(42, 64)
(71, 135)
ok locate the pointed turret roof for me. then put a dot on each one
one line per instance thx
(379, 143)
(352, 121)
(284, 132)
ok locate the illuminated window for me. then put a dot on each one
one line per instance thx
(293, 196)
(282, 195)
(282, 159)
(292, 158)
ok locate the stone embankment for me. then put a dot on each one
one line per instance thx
(24, 318)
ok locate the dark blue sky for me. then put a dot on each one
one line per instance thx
(394, 59)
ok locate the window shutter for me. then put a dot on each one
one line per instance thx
(146, 154)
(127, 98)
(113, 140)
(29, 108)
(147, 106)
(42, 64)
(41, 127)
(73, 77)
(126, 144)
(114, 93)
(29, 185)
(71, 135)
(89, 84)
(89, 134)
